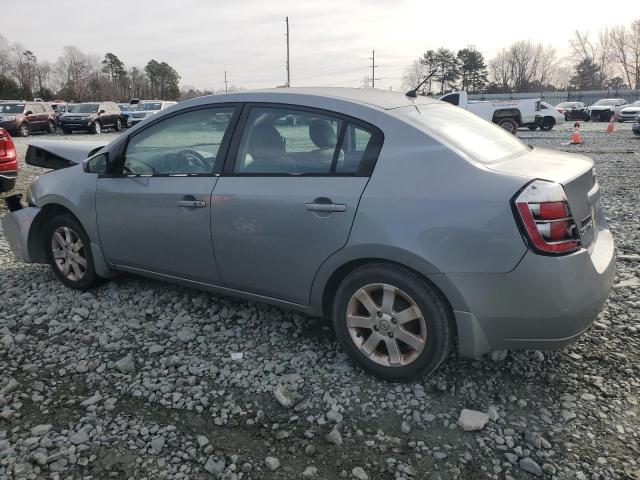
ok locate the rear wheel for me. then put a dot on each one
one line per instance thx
(24, 130)
(509, 124)
(547, 124)
(69, 252)
(51, 127)
(392, 322)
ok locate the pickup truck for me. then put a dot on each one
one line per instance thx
(509, 114)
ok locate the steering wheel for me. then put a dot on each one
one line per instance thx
(187, 159)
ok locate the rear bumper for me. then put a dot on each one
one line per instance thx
(544, 303)
(16, 226)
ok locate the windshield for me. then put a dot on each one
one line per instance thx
(568, 105)
(12, 107)
(83, 108)
(606, 101)
(149, 106)
(635, 104)
(481, 140)
(125, 107)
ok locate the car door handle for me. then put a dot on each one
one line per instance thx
(325, 207)
(191, 203)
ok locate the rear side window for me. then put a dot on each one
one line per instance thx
(481, 140)
(288, 141)
(38, 108)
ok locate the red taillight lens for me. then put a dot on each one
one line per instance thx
(544, 212)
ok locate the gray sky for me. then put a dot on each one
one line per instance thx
(331, 40)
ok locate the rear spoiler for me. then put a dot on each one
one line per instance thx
(57, 154)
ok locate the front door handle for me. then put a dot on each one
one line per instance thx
(325, 207)
(191, 203)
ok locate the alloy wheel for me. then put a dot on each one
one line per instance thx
(386, 325)
(69, 253)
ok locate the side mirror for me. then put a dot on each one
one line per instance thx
(29, 112)
(97, 164)
(101, 111)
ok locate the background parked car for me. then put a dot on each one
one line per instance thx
(22, 118)
(602, 110)
(573, 111)
(59, 108)
(146, 108)
(636, 127)
(547, 118)
(91, 117)
(126, 109)
(8, 162)
(630, 112)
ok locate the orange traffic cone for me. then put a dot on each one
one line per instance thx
(611, 126)
(576, 139)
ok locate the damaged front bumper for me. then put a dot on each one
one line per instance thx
(16, 226)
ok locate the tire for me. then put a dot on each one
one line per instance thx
(118, 125)
(533, 128)
(509, 124)
(75, 247)
(67, 131)
(96, 128)
(547, 124)
(51, 128)
(24, 130)
(432, 326)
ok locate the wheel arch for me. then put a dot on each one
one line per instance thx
(512, 113)
(37, 243)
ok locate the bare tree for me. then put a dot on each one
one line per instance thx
(625, 49)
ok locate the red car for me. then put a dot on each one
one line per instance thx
(8, 162)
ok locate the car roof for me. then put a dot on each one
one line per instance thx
(366, 96)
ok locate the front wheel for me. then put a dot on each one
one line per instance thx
(509, 124)
(118, 125)
(547, 124)
(69, 252)
(96, 128)
(392, 322)
(24, 130)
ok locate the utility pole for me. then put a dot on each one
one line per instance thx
(373, 68)
(288, 66)
(226, 85)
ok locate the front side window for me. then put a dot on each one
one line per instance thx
(37, 108)
(184, 144)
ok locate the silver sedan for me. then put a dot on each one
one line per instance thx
(413, 225)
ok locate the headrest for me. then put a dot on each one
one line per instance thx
(322, 134)
(266, 142)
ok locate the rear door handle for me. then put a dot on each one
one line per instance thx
(325, 207)
(191, 203)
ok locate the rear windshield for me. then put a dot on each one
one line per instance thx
(12, 107)
(83, 108)
(149, 106)
(481, 140)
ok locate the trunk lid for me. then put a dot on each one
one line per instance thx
(56, 154)
(574, 172)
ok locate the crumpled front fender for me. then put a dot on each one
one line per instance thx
(16, 226)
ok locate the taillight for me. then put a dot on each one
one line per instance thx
(545, 215)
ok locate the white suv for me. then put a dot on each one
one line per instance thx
(145, 109)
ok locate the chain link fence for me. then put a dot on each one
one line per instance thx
(586, 96)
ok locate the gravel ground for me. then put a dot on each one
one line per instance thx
(139, 379)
